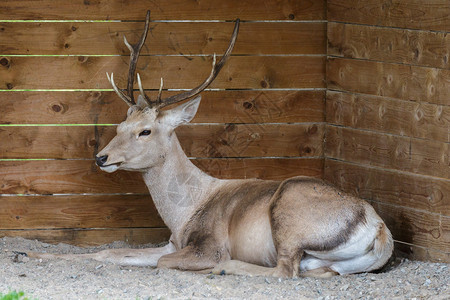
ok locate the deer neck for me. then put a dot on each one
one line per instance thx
(178, 188)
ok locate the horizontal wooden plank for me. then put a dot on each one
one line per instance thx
(421, 253)
(416, 14)
(93, 237)
(201, 140)
(416, 227)
(418, 156)
(92, 38)
(78, 211)
(83, 176)
(391, 80)
(408, 118)
(424, 48)
(399, 188)
(87, 72)
(162, 10)
(264, 106)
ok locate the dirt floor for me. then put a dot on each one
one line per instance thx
(59, 279)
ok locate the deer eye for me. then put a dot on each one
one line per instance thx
(145, 132)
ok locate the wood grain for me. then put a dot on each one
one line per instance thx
(78, 211)
(423, 48)
(87, 72)
(415, 252)
(83, 176)
(391, 80)
(264, 106)
(161, 10)
(416, 227)
(377, 113)
(91, 38)
(389, 186)
(428, 15)
(201, 140)
(93, 237)
(405, 154)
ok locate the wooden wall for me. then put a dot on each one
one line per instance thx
(264, 117)
(388, 115)
(377, 94)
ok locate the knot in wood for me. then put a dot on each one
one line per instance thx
(5, 62)
(56, 108)
(247, 105)
(82, 59)
(313, 129)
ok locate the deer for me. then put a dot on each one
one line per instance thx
(300, 226)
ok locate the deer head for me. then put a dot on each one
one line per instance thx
(143, 139)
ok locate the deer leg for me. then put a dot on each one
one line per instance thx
(287, 266)
(322, 272)
(191, 258)
(126, 257)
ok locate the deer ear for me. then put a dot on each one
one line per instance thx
(183, 113)
(132, 109)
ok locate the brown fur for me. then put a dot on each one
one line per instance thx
(221, 215)
(337, 219)
(289, 206)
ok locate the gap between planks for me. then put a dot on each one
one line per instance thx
(381, 61)
(382, 96)
(388, 170)
(389, 27)
(380, 133)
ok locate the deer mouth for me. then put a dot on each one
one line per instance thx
(110, 168)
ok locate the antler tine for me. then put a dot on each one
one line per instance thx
(214, 72)
(118, 91)
(143, 94)
(158, 100)
(134, 55)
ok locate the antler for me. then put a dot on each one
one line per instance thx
(134, 56)
(159, 103)
(214, 72)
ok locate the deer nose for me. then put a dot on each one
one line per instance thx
(101, 160)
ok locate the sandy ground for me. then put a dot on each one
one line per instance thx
(88, 279)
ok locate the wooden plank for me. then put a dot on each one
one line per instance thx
(406, 154)
(162, 10)
(78, 211)
(415, 14)
(398, 188)
(93, 237)
(416, 227)
(264, 106)
(416, 119)
(201, 140)
(91, 38)
(423, 48)
(391, 80)
(87, 72)
(421, 253)
(82, 176)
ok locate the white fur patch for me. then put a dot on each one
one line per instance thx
(110, 168)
